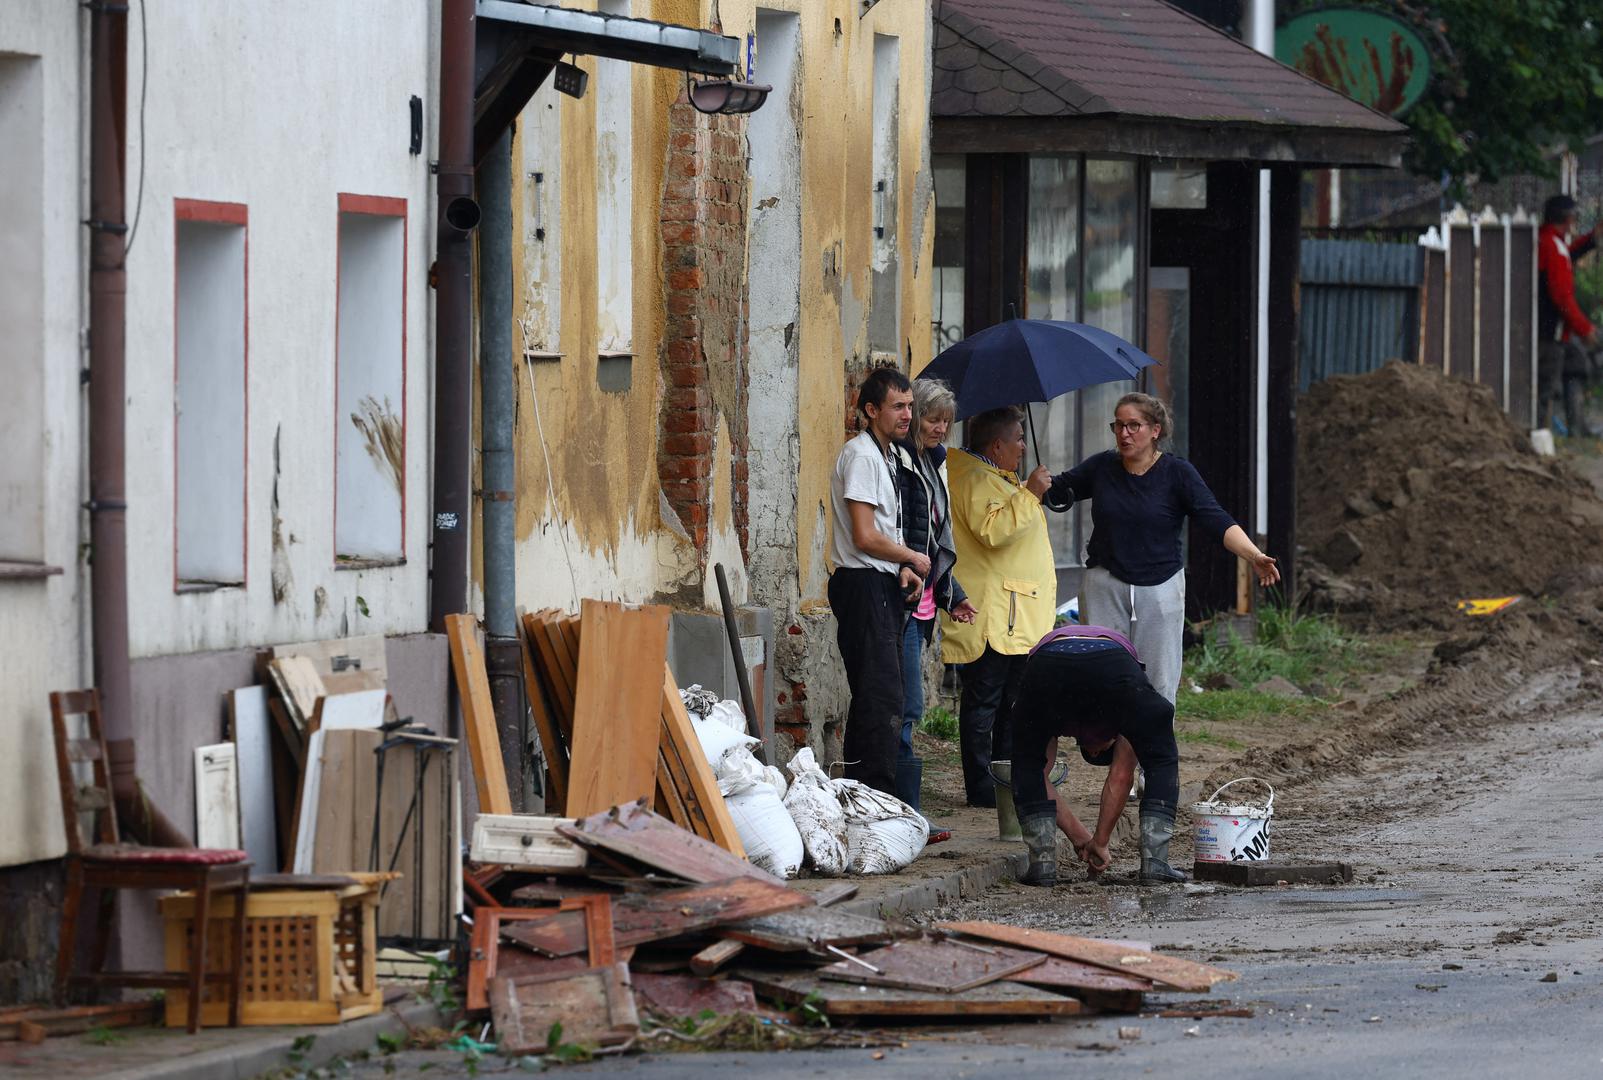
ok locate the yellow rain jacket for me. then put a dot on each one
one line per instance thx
(1004, 562)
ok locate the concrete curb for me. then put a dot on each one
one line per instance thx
(251, 1057)
(935, 892)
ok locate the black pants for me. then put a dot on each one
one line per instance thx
(984, 725)
(869, 613)
(1094, 694)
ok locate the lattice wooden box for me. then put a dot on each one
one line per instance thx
(309, 955)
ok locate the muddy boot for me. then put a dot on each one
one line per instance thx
(1041, 837)
(1156, 829)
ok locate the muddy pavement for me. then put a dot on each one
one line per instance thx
(1470, 940)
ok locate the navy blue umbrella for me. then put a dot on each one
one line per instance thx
(1025, 360)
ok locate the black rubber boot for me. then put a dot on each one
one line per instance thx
(1156, 831)
(1041, 837)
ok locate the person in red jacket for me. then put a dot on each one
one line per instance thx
(1562, 328)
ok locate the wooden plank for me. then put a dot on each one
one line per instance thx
(80, 1018)
(526, 840)
(834, 893)
(947, 967)
(674, 779)
(251, 729)
(682, 737)
(299, 685)
(998, 999)
(546, 725)
(716, 955)
(342, 836)
(669, 802)
(564, 667)
(595, 1007)
(685, 996)
(1167, 971)
(809, 928)
(216, 797)
(1262, 873)
(337, 656)
(638, 918)
(1072, 976)
(349, 682)
(616, 708)
(557, 679)
(478, 714)
(636, 833)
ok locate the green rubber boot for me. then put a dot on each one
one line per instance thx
(1156, 831)
(1041, 837)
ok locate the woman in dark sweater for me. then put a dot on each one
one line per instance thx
(1140, 496)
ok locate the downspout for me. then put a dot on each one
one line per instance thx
(498, 508)
(453, 323)
(108, 507)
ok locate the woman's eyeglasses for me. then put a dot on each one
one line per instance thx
(1129, 427)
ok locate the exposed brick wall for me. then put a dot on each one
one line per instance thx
(704, 357)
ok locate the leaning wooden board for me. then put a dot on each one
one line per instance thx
(478, 714)
(999, 999)
(635, 832)
(1168, 971)
(678, 733)
(613, 757)
(545, 723)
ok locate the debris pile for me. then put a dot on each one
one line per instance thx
(1415, 491)
(621, 925)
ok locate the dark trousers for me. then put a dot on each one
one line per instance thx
(869, 614)
(1095, 694)
(985, 728)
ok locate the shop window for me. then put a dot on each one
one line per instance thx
(210, 394)
(370, 381)
(950, 201)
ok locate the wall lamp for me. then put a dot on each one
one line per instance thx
(727, 96)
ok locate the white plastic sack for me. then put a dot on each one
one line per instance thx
(768, 834)
(718, 738)
(817, 814)
(728, 712)
(883, 834)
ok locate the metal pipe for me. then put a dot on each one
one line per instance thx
(498, 389)
(108, 506)
(754, 723)
(453, 323)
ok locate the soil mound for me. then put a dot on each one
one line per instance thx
(1415, 491)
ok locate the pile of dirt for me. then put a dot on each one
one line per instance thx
(1415, 491)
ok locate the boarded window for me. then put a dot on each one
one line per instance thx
(22, 308)
(370, 362)
(885, 312)
(210, 397)
(615, 197)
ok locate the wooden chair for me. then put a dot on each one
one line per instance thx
(103, 862)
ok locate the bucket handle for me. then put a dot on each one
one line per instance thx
(1270, 805)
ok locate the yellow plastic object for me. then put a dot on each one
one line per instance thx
(1488, 606)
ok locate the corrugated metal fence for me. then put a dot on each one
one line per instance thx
(1461, 300)
(1360, 306)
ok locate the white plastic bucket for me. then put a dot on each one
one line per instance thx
(1233, 832)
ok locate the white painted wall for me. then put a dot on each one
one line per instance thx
(280, 108)
(210, 403)
(774, 453)
(41, 304)
(371, 392)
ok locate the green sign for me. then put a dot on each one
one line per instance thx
(1372, 58)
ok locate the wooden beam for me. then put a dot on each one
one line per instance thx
(478, 714)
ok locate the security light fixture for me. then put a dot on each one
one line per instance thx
(569, 79)
(727, 96)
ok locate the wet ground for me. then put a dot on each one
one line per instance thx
(1469, 940)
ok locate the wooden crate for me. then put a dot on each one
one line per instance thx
(309, 955)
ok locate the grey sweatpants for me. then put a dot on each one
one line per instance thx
(1151, 616)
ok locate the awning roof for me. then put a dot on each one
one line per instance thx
(517, 44)
(1176, 86)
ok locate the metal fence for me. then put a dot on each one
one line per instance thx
(1360, 306)
(1461, 300)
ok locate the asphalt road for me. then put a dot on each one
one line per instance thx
(1479, 873)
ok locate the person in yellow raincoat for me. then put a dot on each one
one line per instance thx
(1005, 565)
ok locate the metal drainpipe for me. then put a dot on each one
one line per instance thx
(453, 324)
(108, 507)
(497, 416)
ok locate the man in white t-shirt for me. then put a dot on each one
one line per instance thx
(874, 574)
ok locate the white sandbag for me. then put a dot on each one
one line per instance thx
(883, 834)
(718, 738)
(816, 812)
(770, 837)
(776, 780)
(728, 712)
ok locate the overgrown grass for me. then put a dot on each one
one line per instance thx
(1309, 650)
(939, 722)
